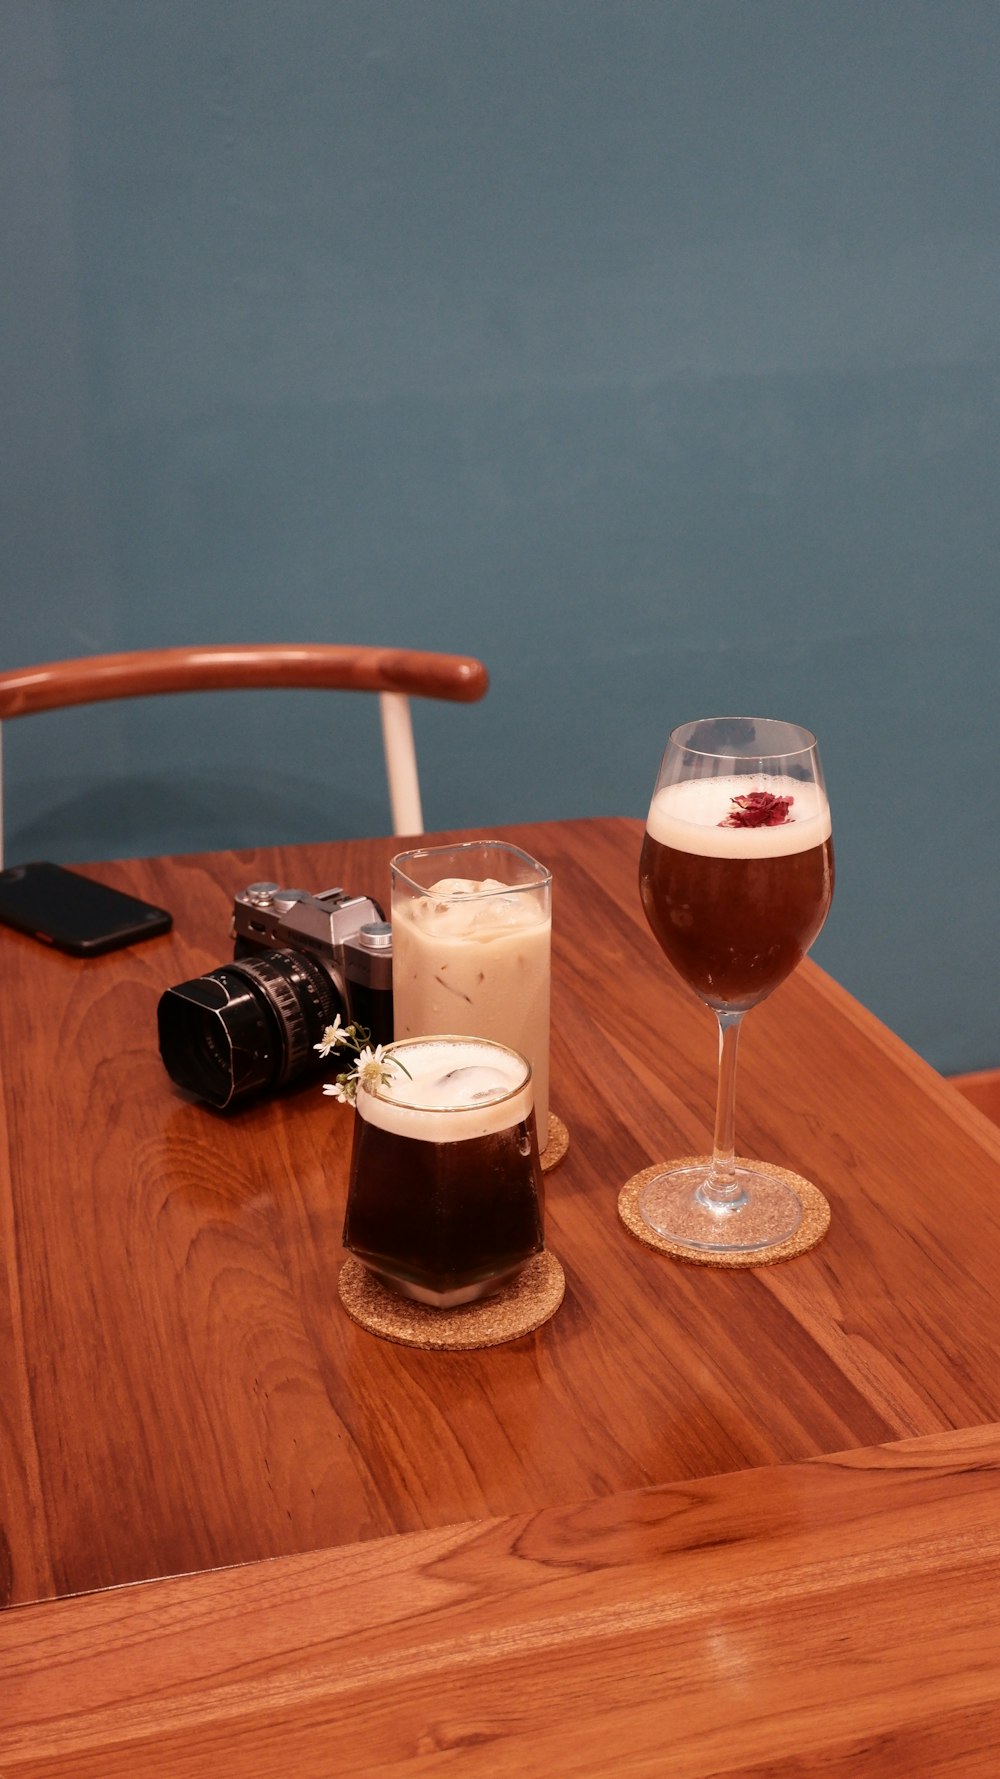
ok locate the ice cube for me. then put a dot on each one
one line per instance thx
(471, 1084)
(475, 908)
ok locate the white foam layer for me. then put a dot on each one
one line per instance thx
(457, 1088)
(687, 816)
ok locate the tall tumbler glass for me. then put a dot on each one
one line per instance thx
(471, 946)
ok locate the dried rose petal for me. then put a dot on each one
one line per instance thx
(758, 809)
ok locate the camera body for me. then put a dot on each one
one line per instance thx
(299, 961)
(335, 929)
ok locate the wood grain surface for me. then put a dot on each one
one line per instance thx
(982, 1090)
(181, 1390)
(833, 1618)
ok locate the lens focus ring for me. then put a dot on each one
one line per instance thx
(302, 997)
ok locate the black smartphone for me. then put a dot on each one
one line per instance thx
(74, 913)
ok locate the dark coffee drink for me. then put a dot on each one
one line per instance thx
(735, 908)
(446, 1198)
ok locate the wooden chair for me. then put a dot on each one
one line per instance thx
(395, 674)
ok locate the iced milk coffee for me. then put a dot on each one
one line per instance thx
(471, 951)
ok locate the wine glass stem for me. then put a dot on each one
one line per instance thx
(722, 1187)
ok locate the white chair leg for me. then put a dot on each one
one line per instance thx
(401, 763)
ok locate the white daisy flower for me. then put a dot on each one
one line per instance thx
(334, 1037)
(343, 1091)
(373, 1067)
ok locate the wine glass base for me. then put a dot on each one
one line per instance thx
(764, 1213)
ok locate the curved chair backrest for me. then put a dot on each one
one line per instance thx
(395, 674)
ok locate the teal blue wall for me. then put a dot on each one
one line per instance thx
(646, 348)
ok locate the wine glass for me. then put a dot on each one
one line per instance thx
(736, 878)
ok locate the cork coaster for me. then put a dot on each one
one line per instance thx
(556, 1144)
(523, 1305)
(813, 1227)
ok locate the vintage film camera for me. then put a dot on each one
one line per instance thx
(251, 1026)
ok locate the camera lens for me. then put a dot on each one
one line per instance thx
(247, 1027)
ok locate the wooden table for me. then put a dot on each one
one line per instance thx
(618, 1545)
